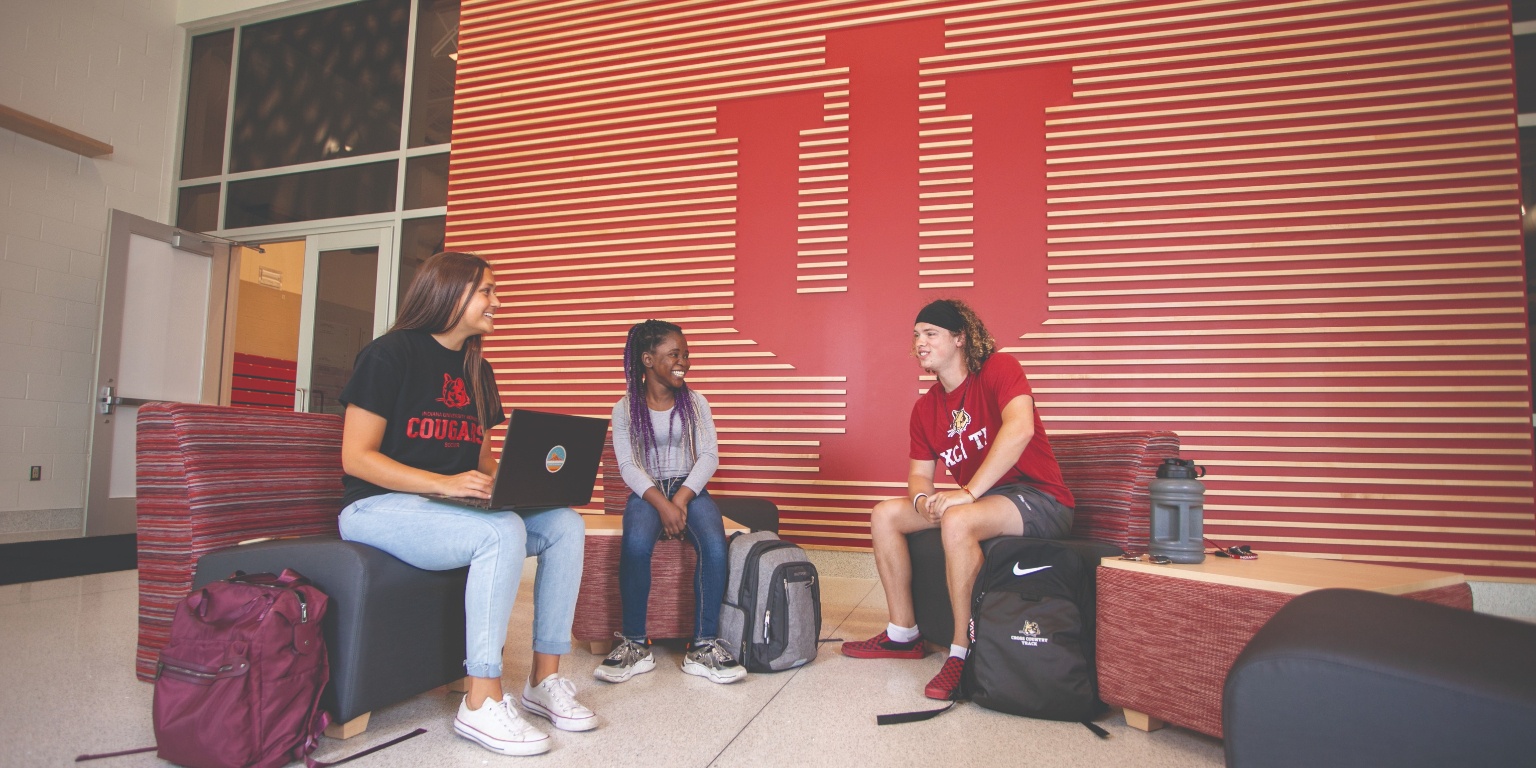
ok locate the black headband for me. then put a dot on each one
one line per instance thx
(943, 314)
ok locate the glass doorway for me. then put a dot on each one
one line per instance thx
(306, 307)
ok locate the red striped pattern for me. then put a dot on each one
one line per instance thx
(263, 382)
(1288, 231)
(210, 477)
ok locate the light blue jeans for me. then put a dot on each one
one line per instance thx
(438, 536)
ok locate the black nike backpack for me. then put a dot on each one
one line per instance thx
(1032, 633)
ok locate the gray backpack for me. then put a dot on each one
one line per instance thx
(771, 617)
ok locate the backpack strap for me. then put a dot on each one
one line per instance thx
(912, 717)
(83, 758)
(310, 762)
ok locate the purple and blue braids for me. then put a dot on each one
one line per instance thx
(643, 338)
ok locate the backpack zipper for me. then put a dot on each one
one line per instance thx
(192, 672)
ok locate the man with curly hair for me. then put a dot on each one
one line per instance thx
(980, 420)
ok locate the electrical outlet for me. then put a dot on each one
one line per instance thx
(37, 472)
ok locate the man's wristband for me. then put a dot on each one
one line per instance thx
(914, 502)
(968, 492)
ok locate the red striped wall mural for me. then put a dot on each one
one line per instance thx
(1287, 230)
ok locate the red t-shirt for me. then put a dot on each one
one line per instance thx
(958, 428)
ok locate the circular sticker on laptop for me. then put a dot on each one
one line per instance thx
(555, 459)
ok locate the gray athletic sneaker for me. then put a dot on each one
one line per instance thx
(709, 659)
(627, 659)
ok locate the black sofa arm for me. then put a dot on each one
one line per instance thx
(1342, 677)
(755, 514)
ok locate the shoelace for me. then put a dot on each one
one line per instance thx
(716, 653)
(628, 653)
(508, 717)
(562, 694)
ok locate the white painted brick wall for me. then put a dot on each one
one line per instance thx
(110, 69)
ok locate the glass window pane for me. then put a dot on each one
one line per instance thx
(320, 85)
(437, 52)
(202, 143)
(419, 239)
(343, 323)
(426, 181)
(327, 194)
(197, 208)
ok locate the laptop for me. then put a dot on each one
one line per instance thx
(547, 460)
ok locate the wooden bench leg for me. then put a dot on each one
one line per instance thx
(601, 647)
(350, 728)
(460, 685)
(1142, 721)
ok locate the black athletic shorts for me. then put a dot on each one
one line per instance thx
(1044, 516)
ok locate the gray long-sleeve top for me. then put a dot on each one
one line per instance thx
(673, 456)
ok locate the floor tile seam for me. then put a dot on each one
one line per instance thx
(714, 761)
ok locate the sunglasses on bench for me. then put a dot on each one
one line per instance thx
(1243, 552)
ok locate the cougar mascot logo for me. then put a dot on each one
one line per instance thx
(454, 394)
(958, 421)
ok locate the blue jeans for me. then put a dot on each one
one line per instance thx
(704, 529)
(438, 536)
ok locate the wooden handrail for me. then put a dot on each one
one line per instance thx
(57, 135)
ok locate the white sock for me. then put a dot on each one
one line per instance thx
(959, 652)
(900, 634)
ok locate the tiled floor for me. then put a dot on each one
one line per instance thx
(67, 687)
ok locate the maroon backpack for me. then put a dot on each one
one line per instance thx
(238, 685)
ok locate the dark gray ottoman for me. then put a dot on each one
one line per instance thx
(1350, 678)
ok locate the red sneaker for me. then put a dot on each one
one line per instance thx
(946, 683)
(882, 646)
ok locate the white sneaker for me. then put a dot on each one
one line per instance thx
(497, 727)
(626, 660)
(555, 699)
(710, 659)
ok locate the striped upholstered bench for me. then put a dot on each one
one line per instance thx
(210, 477)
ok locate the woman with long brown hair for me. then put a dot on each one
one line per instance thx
(420, 405)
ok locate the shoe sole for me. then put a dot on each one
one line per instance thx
(641, 667)
(695, 668)
(559, 721)
(514, 748)
(937, 695)
(916, 653)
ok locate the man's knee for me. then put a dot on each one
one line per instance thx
(884, 516)
(960, 526)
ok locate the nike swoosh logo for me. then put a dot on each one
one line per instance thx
(1017, 571)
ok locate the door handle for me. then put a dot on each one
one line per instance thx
(108, 402)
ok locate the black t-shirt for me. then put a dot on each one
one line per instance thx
(418, 386)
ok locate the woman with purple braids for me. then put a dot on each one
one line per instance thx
(664, 439)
